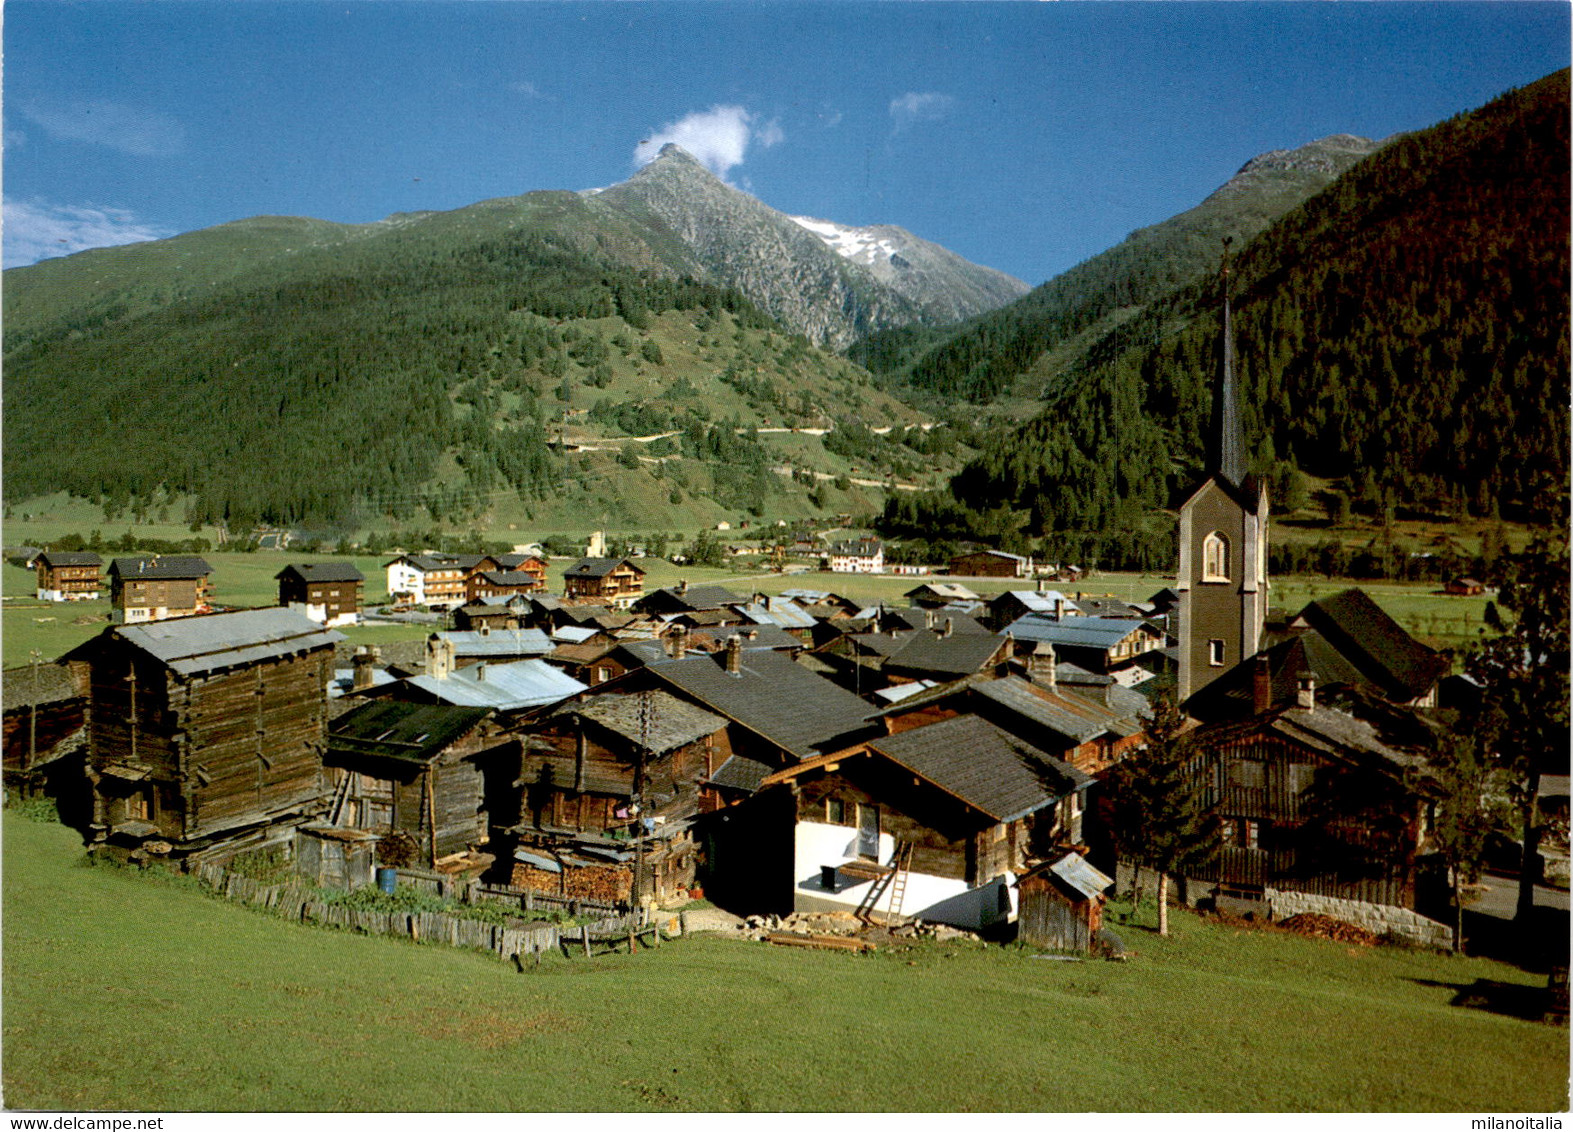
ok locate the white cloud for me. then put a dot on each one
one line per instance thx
(141, 133)
(35, 230)
(526, 88)
(915, 106)
(717, 138)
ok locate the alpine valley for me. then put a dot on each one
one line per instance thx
(670, 352)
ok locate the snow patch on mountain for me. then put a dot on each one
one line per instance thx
(862, 245)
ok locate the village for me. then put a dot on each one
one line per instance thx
(956, 762)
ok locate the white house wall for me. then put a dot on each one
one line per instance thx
(928, 897)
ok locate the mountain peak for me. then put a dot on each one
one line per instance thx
(671, 151)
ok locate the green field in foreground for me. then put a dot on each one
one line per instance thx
(123, 991)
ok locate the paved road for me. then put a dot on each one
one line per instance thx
(1498, 897)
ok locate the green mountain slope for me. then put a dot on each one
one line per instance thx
(984, 357)
(1405, 332)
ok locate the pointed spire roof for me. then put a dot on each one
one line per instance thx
(1225, 450)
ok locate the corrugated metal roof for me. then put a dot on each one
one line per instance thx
(788, 614)
(498, 642)
(1038, 601)
(902, 691)
(191, 645)
(1088, 632)
(574, 634)
(507, 687)
(1074, 870)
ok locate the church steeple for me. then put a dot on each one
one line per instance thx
(1225, 452)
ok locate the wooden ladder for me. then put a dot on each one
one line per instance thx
(339, 796)
(894, 881)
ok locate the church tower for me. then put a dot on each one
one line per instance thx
(1223, 543)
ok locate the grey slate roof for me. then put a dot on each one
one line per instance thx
(771, 696)
(1374, 643)
(172, 566)
(22, 686)
(192, 645)
(395, 730)
(1064, 713)
(596, 567)
(673, 722)
(740, 773)
(955, 655)
(988, 768)
(323, 572)
(70, 558)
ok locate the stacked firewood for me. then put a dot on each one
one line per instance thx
(608, 883)
(1325, 927)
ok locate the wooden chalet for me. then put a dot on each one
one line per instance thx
(511, 611)
(205, 732)
(45, 716)
(684, 598)
(933, 822)
(437, 581)
(1061, 904)
(934, 595)
(1012, 604)
(1310, 798)
(614, 582)
(68, 575)
(991, 564)
(1464, 587)
(1098, 644)
(156, 588)
(330, 593)
(506, 583)
(416, 768)
(612, 783)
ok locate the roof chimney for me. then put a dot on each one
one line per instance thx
(362, 661)
(1305, 693)
(946, 633)
(1041, 663)
(480, 672)
(734, 655)
(680, 643)
(439, 657)
(1261, 684)
(682, 585)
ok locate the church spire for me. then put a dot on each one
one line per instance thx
(1225, 452)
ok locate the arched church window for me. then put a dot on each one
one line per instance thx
(1215, 558)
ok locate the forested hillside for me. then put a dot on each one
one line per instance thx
(983, 357)
(1404, 333)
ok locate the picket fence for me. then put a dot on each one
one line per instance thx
(303, 905)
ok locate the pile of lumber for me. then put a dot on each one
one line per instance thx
(1325, 927)
(608, 884)
(817, 940)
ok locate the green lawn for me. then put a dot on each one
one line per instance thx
(127, 992)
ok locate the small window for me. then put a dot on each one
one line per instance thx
(1215, 558)
(835, 811)
(1215, 653)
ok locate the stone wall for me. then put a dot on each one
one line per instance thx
(1382, 919)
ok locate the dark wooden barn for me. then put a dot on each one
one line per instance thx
(418, 768)
(205, 732)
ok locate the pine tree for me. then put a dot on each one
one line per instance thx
(1159, 814)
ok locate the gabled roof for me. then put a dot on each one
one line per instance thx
(507, 687)
(740, 773)
(192, 645)
(395, 730)
(175, 567)
(509, 578)
(778, 611)
(1074, 873)
(770, 695)
(991, 554)
(691, 597)
(986, 767)
(26, 685)
(70, 558)
(672, 723)
(1325, 729)
(1374, 643)
(1086, 632)
(426, 563)
(953, 655)
(1064, 713)
(949, 590)
(322, 572)
(598, 567)
(1035, 601)
(858, 548)
(498, 642)
(515, 561)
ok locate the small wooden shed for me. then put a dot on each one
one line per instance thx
(1061, 904)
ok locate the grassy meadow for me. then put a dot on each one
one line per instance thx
(126, 991)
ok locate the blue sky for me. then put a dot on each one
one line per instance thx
(1023, 136)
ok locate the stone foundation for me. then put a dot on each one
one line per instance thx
(1381, 919)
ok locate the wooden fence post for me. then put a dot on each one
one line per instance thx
(584, 938)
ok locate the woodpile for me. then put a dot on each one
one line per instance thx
(607, 883)
(1325, 927)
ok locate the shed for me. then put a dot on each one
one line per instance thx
(1061, 906)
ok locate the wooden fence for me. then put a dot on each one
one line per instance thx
(305, 906)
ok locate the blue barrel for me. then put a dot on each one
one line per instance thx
(387, 880)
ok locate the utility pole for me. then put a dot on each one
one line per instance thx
(32, 721)
(646, 718)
